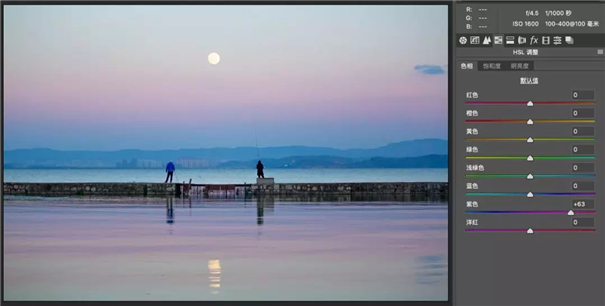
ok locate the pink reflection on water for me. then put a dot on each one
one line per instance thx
(116, 253)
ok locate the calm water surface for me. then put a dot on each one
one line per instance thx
(227, 176)
(141, 249)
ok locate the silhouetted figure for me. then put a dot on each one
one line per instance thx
(170, 171)
(259, 170)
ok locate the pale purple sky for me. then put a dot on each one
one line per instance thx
(118, 77)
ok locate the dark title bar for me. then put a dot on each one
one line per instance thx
(531, 40)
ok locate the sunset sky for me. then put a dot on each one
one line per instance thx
(138, 77)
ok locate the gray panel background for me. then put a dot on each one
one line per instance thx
(518, 268)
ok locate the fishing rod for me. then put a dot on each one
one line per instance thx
(256, 139)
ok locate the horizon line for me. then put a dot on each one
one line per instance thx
(241, 147)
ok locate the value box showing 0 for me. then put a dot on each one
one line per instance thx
(582, 94)
(583, 113)
(582, 150)
(583, 131)
(582, 222)
(583, 168)
(583, 186)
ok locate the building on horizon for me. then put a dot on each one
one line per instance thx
(140, 163)
(192, 163)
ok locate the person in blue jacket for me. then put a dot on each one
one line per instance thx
(170, 170)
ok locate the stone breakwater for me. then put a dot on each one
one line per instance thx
(88, 189)
(351, 188)
(154, 189)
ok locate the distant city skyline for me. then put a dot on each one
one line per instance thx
(137, 77)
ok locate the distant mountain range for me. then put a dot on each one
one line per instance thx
(400, 154)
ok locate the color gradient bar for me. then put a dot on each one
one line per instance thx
(496, 194)
(534, 175)
(525, 194)
(535, 157)
(535, 230)
(564, 139)
(496, 230)
(545, 230)
(495, 139)
(525, 139)
(535, 121)
(565, 212)
(535, 103)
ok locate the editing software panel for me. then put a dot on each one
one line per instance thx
(528, 175)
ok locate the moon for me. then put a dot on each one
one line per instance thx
(214, 58)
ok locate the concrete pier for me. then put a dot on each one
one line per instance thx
(265, 181)
(180, 189)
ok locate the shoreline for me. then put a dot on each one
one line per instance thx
(223, 190)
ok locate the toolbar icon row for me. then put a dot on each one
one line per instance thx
(532, 40)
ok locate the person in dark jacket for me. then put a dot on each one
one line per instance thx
(259, 170)
(170, 171)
